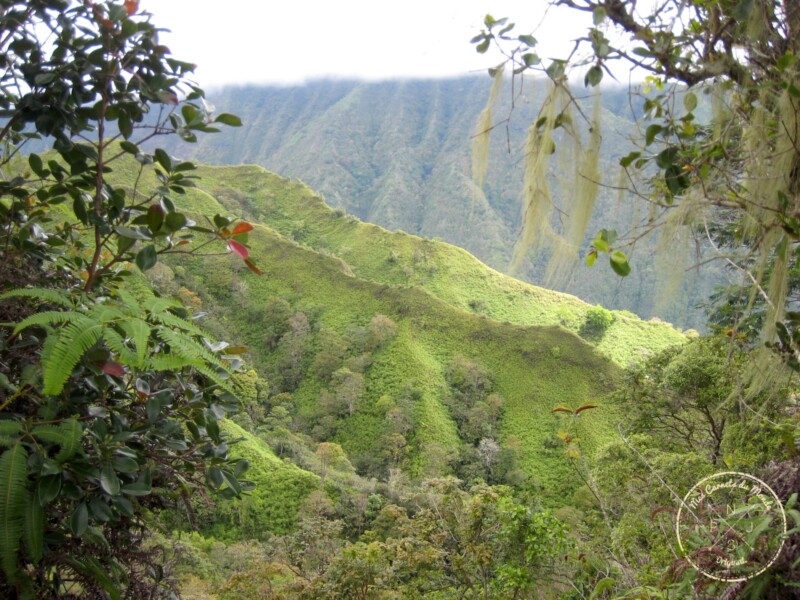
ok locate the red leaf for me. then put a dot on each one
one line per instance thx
(661, 509)
(238, 248)
(113, 368)
(131, 6)
(242, 228)
(561, 409)
(252, 266)
(585, 407)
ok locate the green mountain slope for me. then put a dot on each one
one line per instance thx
(398, 154)
(346, 272)
(445, 271)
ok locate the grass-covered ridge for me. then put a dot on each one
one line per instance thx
(447, 272)
(534, 368)
(445, 303)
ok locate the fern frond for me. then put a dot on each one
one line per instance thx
(47, 348)
(10, 428)
(139, 332)
(71, 344)
(48, 317)
(51, 296)
(175, 322)
(117, 344)
(131, 303)
(187, 347)
(13, 496)
(91, 568)
(33, 530)
(107, 314)
(157, 305)
(213, 376)
(170, 362)
(67, 435)
(72, 436)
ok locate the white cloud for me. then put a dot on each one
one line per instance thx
(241, 41)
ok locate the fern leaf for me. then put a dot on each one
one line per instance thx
(51, 296)
(72, 343)
(48, 433)
(176, 322)
(47, 348)
(12, 506)
(157, 305)
(170, 362)
(9, 427)
(72, 435)
(48, 317)
(186, 346)
(91, 568)
(130, 302)
(107, 314)
(117, 344)
(33, 530)
(67, 435)
(139, 332)
(214, 377)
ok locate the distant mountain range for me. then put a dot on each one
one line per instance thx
(398, 154)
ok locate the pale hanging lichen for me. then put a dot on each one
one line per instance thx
(582, 197)
(537, 202)
(672, 253)
(578, 181)
(483, 130)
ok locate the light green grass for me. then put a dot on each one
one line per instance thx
(346, 272)
(447, 272)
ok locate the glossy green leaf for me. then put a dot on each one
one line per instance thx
(79, 520)
(651, 132)
(228, 119)
(593, 76)
(48, 488)
(109, 480)
(689, 101)
(146, 258)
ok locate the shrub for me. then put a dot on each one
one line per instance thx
(598, 320)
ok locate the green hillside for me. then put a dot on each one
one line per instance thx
(398, 154)
(445, 303)
(445, 271)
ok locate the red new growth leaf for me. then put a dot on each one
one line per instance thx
(561, 409)
(585, 407)
(661, 509)
(131, 6)
(252, 266)
(242, 228)
(113, 368)
(239, 249)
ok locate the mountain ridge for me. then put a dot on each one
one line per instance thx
(398, 154)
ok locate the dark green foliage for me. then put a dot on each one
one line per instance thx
(111, 398)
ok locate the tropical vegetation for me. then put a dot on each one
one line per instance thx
(389, 417)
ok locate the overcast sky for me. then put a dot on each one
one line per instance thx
(291, 41)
